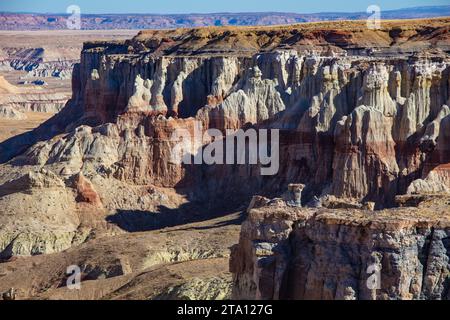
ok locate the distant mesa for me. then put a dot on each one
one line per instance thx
(33, 21)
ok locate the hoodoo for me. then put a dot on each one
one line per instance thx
(363, 121)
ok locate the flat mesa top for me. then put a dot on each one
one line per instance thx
(398, 36)
(354, 25)
(431, 212)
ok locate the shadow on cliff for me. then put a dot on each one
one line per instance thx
(212, 191)
(57, 124)
(140, 221)
(70, 116)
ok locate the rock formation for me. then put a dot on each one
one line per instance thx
(36, 21)
(363, 117)
(11, 113)
(38, 66)
(293, 253)
(16, 101)
(40, 62)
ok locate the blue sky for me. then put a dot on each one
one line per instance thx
(205, 6)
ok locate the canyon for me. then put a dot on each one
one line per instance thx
(364, 123)
(35, 74)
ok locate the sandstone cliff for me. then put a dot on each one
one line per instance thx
(295, 253)
(362, 113)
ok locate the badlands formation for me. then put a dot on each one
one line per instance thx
(364, 124)
(35, 74)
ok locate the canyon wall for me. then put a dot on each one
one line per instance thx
(363, 116)
(301, 253)
(360, 126)
(39, 62)
(39, 66)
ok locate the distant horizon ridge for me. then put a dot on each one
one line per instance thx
(225, 12)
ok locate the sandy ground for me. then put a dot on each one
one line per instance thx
(136, 265)
(10, 128)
